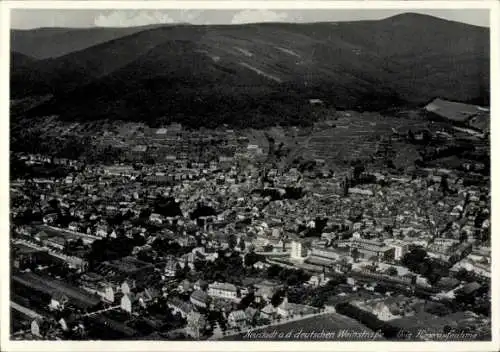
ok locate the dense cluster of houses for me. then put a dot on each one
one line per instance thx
(317, 223)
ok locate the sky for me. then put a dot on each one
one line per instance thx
(35, 18)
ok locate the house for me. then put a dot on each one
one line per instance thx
(64, 325)
(237, 318)
(447, 283)
(317, 280)
(383, 312)
(261, 265)
(70, 322)
(58, 243)
(74, 227)
(170, 268)
(266, 289)
(200, 299)
(185, 286)
(179, 306)
(188, 259)
(315, 101)
(58, 301)
(286, 309)
(268, 311)
(127, 286)
(400, 249)
(101, 231)
(127, 302)
(223, 290)
(252, 314)
(196, 324)
(39, 327)
(156, 218)
(299, 250)
(106, 292)
(470, 288)
(200, 285)
(50, 218)
(148, 295)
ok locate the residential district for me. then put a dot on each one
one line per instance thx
(237, 247)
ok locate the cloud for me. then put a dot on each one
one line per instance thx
(258, 16)
(132, 18)
(189, 16)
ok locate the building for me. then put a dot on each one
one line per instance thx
(261, 265)
(179, 306)
(369, 249)
(148, 295)
(25, 256)
(58, 301)
(317, 280)
(200, 299)
(323, 254)
(156, 218)
(443, 246)
(185, 286)
(127, 286)
(298, 250)
(196, 324)
(400, 249)
(170, 268)
(237, 318)
(223, 290)
(265, 289)
(39, 327)
(269, 312)
(200, 285)
(103, 289)
(127, 302)
(58, 243)
(287, 309)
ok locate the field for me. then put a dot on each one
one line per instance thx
(347, 136)
(50, 287)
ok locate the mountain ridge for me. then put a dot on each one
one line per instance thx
(204, 70)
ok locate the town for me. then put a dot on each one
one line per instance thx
(222, 235)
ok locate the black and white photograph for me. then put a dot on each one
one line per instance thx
(231, 174)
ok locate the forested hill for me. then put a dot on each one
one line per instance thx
(261, 74)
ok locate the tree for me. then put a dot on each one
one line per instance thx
(464, 275)
(355, 254)
(411, 135)
(444, 185)
(251, 258)
(277, 298)
(345, 187)
(232, 241)
(392, 271)
(180, 273)
(414, 259)
(273, 271)
(79, 243)
(242, 245)
(463, 237)
(246, 301)
(358, 170)
(267, 248)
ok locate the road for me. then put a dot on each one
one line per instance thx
(83, 236)
(100, 311)
(26, 311)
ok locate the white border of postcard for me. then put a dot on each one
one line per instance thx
(7, 345)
